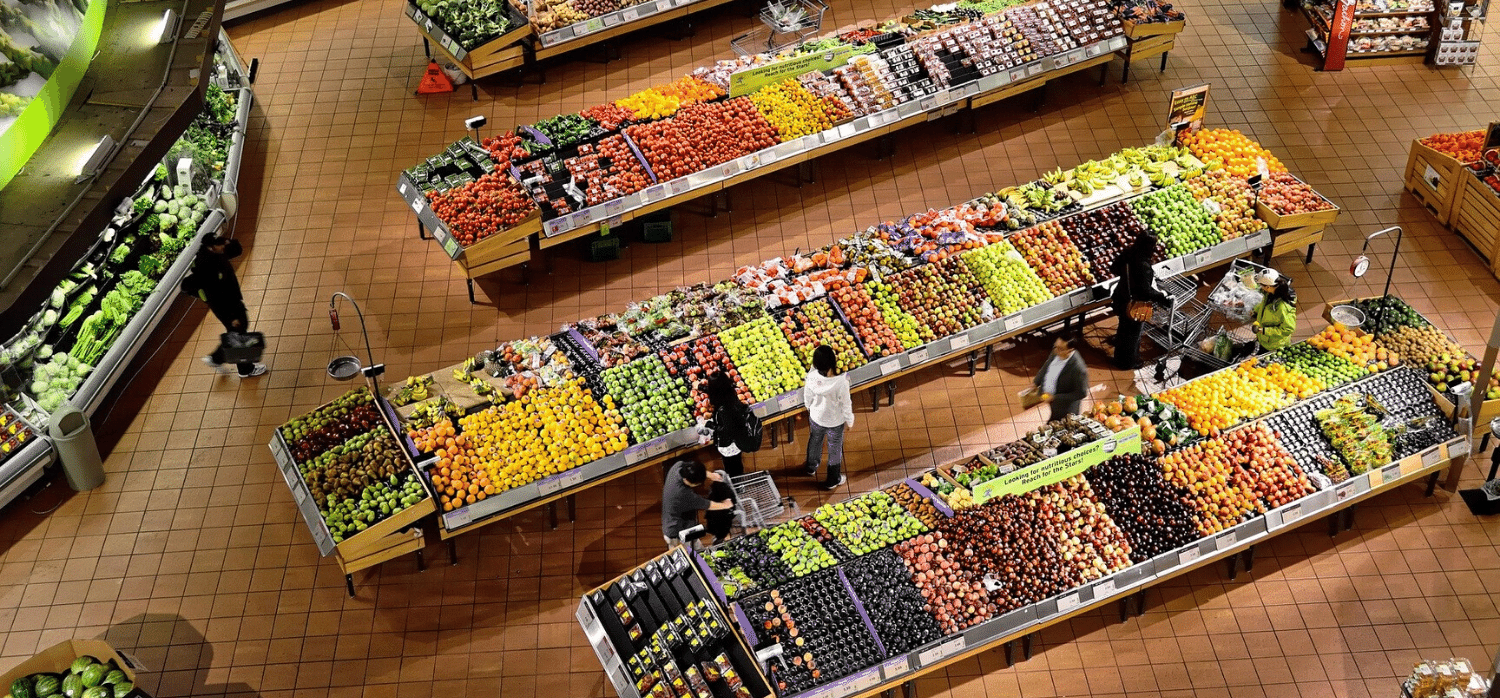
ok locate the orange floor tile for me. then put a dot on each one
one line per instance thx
(192, 555)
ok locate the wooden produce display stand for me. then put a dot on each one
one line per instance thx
(1149, 39)
(523, 46)
(1435, 178)
(1476, 216)
(382, 541)
(1296, 230)
(57, 658)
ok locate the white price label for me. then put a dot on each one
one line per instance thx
(458, 518)
(401, 188)
(1227, 540)
(1430, 457)
(899, 666)
(585, 615)
(299, 495)
(730, 169)
(1187, 556)
(1260, 167)
(941, 652)
(1390, 472)
(890, 366)
(959, 341)
(1291, 513)
(917, 356)
(1202, 257)
(1458, 449)
(928, 103)
(1013, 323)
(611, 19)
(631, 14)
(635, 455)
(1104, 588)
(1034, 69)
(416, 206)
(1343, 491)
(1068, 602)
(788, 402)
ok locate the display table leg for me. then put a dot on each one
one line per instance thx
(572, 508)
(426, 48)
(1026, 645)
(973, 362)
(989, 356)
(422, 233)
(349, 582)
(1310, 249)
(875, 399)
(1233, 562)
(471, 292)
(1164, 61)
(1333, 524)
(774, 443)
(888, 693)
(1349, 516)
(474, 90)
(791, 434)
(1432, 481)
(909, 689)
(1125, 72)
(890, 394)
(452, 552)
(1249, 558)
(1103, 74)
(1124, 609)
(1140, 603)
(1041, 98)
(421, 564)
(1009, 654)
(552, 515)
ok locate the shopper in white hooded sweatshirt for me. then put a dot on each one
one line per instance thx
(830, 411)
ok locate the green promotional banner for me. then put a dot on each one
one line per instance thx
(35, 122)
(752, 80)
(1059, 468)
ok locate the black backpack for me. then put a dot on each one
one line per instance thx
(744, 427)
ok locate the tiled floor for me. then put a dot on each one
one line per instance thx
(193, 557)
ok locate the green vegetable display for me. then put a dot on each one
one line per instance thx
(472, 23)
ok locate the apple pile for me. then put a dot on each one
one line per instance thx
(1183, 224)
(1002, 271)
(955, 596)
(483, 207)
(812, 324)
(909, 331)
(607, 171)
(1090, 541)
(1278, 480)
(693, 362)
(1103, 233)
(1155, 515)
(1233, 199)
(1446, 363)
(944, 297)
(875, 337)
(1053, 256)
(869, 523)
(1286, 195)
(1223, 492)
(652, 401)
(764, 358)
(798, 550)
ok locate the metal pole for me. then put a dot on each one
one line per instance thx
(1391, 272)
(1476, 397)
(369, 353)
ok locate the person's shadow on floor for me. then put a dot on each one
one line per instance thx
(174, 657)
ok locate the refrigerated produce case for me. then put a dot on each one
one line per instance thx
(104, 268)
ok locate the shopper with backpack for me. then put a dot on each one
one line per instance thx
(212, 281)
(830, 412)
(734, 428)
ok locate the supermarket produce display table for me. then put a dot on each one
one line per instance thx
(522, 47)
(618, 629)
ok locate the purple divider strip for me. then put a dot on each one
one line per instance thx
(588, 347)
(713, 579)
(639, 156)
(744, 621)
(937, 501)
(537, 135)
(860, 606)
(398, 428)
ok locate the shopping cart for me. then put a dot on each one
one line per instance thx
(757, 500)
(1230, 306)
(1177, 321)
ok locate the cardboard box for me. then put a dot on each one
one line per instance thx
(57, 658)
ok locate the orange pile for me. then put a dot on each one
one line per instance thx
(1463, 147)
(1233, 149)
(1355, 346)
(456, 475)
(1221, 400)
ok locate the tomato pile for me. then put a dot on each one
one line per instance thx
(483, 207)
(1463, 147)
(504, 148)
(608, 171)
(701, 136)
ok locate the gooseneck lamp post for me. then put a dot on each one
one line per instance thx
(343, 368)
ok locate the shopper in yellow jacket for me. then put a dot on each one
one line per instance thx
(1276, 314)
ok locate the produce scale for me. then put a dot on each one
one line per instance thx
(74, 349)
(490, 204)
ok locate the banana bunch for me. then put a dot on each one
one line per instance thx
(432, 412)
(413, 390)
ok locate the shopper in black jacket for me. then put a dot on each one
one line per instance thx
(1137, 283)
(212, 281)
(728, 423)
(1063, 380)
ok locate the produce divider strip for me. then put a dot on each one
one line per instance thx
(1024, 621)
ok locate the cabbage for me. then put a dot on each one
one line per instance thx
(45, 352)
(49, 318)
(59, 298)
(160, 207)
(181, 191)
(168, 220)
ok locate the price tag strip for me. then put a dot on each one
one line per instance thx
(939, 653)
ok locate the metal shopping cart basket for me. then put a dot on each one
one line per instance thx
(757, 500)
(1177, 321)
(1230, 306)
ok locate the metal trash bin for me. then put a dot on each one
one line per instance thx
(73, 437)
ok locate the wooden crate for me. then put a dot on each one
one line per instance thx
(1141, 30)
(387, 548)
(1146, 47)
(502, 244)
(1283, 241)
(1437, 196)
(372, 540)
(1476, 216)
(1297, 220)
